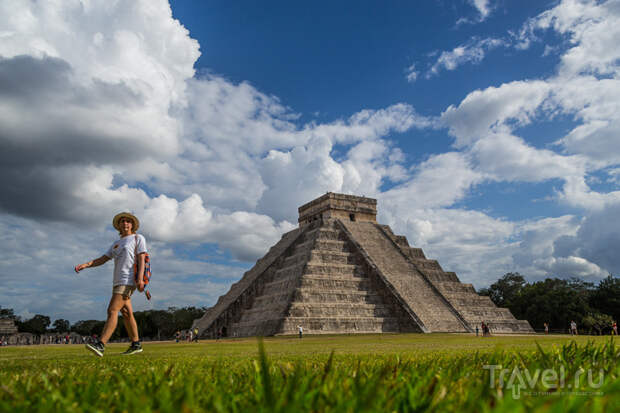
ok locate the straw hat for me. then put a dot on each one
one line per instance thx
(117, 218)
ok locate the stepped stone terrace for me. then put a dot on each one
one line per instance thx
(342, 272)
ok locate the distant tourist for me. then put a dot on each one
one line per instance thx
(486, 331)
(614, 329)
(301, 330)
(189, 335)
(196, 334)
(476, 330)
(546, 328)
(177, 336)
(573, 328)
(128, 251)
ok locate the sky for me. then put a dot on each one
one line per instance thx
(488, 131)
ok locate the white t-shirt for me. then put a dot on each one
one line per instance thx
(123, 251)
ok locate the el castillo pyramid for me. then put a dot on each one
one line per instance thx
(342, 272)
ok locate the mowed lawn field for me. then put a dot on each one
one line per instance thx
(388, 372)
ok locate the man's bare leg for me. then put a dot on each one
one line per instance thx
(116, 303)
(129, 320)
(125, 323)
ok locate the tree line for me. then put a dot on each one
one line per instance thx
(156, 324)
(554, 301)
(557, 301)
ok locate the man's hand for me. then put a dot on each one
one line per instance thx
(80, 267)
(141, 285)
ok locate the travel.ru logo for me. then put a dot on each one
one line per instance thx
(554, 381)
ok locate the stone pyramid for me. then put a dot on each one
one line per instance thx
(342, 272)
(7, 326)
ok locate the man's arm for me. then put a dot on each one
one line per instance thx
(94, 263)
(141, 258)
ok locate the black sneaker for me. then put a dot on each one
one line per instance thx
(98, 348)
(133, 349)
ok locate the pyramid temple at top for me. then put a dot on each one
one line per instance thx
(342, 272)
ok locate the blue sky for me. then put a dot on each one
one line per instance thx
(328, 57)
(487, 130)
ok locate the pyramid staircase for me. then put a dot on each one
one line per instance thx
(320, 284)
(473, 308)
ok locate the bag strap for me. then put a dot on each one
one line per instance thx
(135, 253)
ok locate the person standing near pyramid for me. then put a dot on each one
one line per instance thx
(301, 330)
(129, 250)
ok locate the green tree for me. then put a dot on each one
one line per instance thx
(162, 324)
(554, 301)
(88, 327)
(36, 325)
(61, 326)
(558, 301)
(163, 321)
(505, 290)
(184, 317)
(598, 322)
(7, 313)
(606, 297)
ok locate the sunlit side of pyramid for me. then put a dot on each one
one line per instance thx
(342, 272)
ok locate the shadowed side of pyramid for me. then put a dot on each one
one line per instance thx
(341, 272)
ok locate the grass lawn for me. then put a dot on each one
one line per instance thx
(389, 372)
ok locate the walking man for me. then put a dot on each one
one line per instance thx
(128, 252)
(301, 330)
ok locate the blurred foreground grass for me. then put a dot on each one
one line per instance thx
(405, 372)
